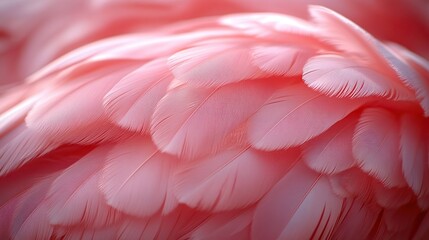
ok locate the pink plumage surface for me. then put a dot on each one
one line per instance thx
(159, 121)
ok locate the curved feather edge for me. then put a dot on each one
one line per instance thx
(132, 101)
(30, 218)
(74, 197)
(137, 178)
(228, 226)
(376, 146)
(192, 122)
(82, 99)
(213, 65)
(281, 60)
(358, 221)
(177, 225)
(338, 76)
(414, 154)
(420, 84)
(331, 152)
(301, 206)
(221, 182)
(295, 114)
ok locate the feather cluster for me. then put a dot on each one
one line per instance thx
(250, 126)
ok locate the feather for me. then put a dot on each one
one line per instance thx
(422, 230)
(346, 35)
(410, 75)
(419, 83)
(294, 115)
(74, 233)
(358, 221)
(148, 47)
(287, 29)
(401, 221)
(20, 146)
(132, 101)
(222, 182)
(14, 116)
(331, 152)
(16, 182)
(6, 212)
(350, 38)
(30, 219)
(213, 65)
(281, 60)
(376, 146)
(338, 76)
(176, 225)
(74, 105)
(74, 197)
(301, 206)
(392, 197)
(352, 183)
(192, 122)
(229, 225)
(414, 154)
(137, 178)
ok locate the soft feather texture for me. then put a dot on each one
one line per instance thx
(331, 152)
(30, 218)
(339, 76)
(376, 146)
(358, 221)
(72, 198)
(143, 185)
(414, 154)
(48, 114)
(222, 182)
(293, 115)
(132, 101)
(231, 224)
(281, 60)
(246, 126)
(213, 65)
(300, 206)
(184, 109)
(419, 83)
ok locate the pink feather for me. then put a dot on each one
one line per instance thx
(300, 206)
(295, 114)
(143, 186)
(222, 182)
(376, 146)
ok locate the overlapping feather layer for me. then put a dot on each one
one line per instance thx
(251, 126)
